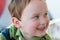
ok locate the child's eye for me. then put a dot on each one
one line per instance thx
(36, 17)
(45, 14)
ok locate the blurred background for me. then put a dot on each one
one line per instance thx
(53, 13)
(5, 17)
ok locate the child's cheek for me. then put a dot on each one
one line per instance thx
(31, 26)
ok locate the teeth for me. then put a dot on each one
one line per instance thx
(40, 28)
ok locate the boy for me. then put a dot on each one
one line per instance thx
(29, 21)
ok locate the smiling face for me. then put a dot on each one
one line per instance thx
(34, 18)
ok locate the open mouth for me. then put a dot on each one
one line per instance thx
(41, 29)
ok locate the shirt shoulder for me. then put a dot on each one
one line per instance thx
(48, 37)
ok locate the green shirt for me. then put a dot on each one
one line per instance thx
(17, 35)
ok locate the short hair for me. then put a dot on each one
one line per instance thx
(16, 7)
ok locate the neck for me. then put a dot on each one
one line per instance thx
(26, 36)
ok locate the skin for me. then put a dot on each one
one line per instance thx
(34, 19)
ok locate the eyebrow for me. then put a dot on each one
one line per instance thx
(36, 14)
(39, 13)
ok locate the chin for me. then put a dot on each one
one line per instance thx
(40, 34)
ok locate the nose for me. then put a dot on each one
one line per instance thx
(42, 21)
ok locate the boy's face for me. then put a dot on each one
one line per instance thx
(34, 18)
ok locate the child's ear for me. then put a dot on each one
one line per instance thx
(16, 22)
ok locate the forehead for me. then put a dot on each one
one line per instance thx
(35, 7)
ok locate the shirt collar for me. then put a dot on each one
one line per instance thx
(14, 32)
